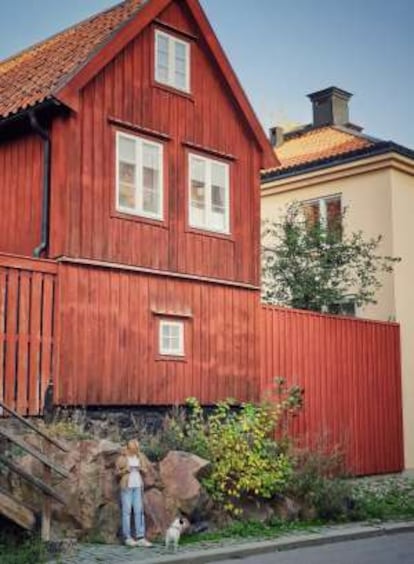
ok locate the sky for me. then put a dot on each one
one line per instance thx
(282, 50)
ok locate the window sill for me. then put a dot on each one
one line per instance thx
(207, 233)
(171, 90)
(139, 218)
(167, 358)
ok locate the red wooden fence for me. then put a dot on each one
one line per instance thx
(349, 368)
(27, 294)
(350, 372)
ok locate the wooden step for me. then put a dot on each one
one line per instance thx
(28, 448)
(33, 480)
(16, 511)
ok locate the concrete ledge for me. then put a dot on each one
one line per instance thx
(325, 536)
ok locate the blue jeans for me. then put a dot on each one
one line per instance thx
(131, 499)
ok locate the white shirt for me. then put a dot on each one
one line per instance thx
(134, 480)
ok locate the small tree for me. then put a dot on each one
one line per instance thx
(310, 266)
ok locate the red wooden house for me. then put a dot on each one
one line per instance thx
(129, 170)
(130, 157)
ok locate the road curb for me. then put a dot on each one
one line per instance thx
(327, 536)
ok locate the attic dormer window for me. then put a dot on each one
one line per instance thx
(172, 61)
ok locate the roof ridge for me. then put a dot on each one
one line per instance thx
(356, 133)
(61, 32)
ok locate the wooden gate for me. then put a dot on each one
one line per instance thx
(27, 319)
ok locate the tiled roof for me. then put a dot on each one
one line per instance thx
(320, 143)
(32, 76)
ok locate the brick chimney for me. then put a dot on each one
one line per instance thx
(330, 106)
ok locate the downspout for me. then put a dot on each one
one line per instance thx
(44, 134)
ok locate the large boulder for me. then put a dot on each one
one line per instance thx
(180, 473)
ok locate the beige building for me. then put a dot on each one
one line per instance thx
(330, 164)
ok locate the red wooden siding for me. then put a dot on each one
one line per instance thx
(350, 371)
(27, 305)
(109, 350)
(83, 178)
(21, 173)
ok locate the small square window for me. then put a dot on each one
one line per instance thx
(172, 61)
(171, 338)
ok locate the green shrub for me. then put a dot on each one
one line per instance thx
(246, 461)
(318, 482)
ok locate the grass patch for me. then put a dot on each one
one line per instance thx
(24, 549)
(249, 530)
(382, 499)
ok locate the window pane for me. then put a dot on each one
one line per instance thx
(127, 174)
(126, 149)
(180, 81)
(218, 196)
(198, 192)
(126, 196)
(151, 179)
(171, 338)
(162, 58)
(312, 213)
(333, 216)
(180, 66)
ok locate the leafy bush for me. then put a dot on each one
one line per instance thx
(181, 430)
(246, 461)
(317, 482)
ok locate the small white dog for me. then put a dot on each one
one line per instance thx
(173, 534)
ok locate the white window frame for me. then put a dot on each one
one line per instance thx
(208, 224)
(322, 201)
(172, 41)
(139, 188)
(180, 351)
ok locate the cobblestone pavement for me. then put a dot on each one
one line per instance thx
(238, 548)
(119, 554)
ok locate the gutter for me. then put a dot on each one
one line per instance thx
(44, 134)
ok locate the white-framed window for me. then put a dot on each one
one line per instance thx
(172, 61)
(139, 176)
(209, 198)
(171, 338)
(327, 211)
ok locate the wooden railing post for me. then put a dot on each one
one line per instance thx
(47, 502)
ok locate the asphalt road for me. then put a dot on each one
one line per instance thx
(390, 549)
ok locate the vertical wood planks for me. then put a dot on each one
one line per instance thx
(350, 371)
(27, 311)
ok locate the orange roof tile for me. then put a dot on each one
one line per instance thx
(31, 76)
(319, 143)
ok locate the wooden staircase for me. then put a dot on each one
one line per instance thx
(13, 508)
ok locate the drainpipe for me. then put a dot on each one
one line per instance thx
(43, 133)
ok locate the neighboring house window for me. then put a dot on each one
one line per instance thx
(209, 194)
(171, 338)
(327, 211)
(172, 61)
(343, 308)
(139, 176)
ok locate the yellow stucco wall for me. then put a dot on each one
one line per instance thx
(367, 198)
(379, 202)
(403, 235)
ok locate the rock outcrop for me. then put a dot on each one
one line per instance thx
(92, 510)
